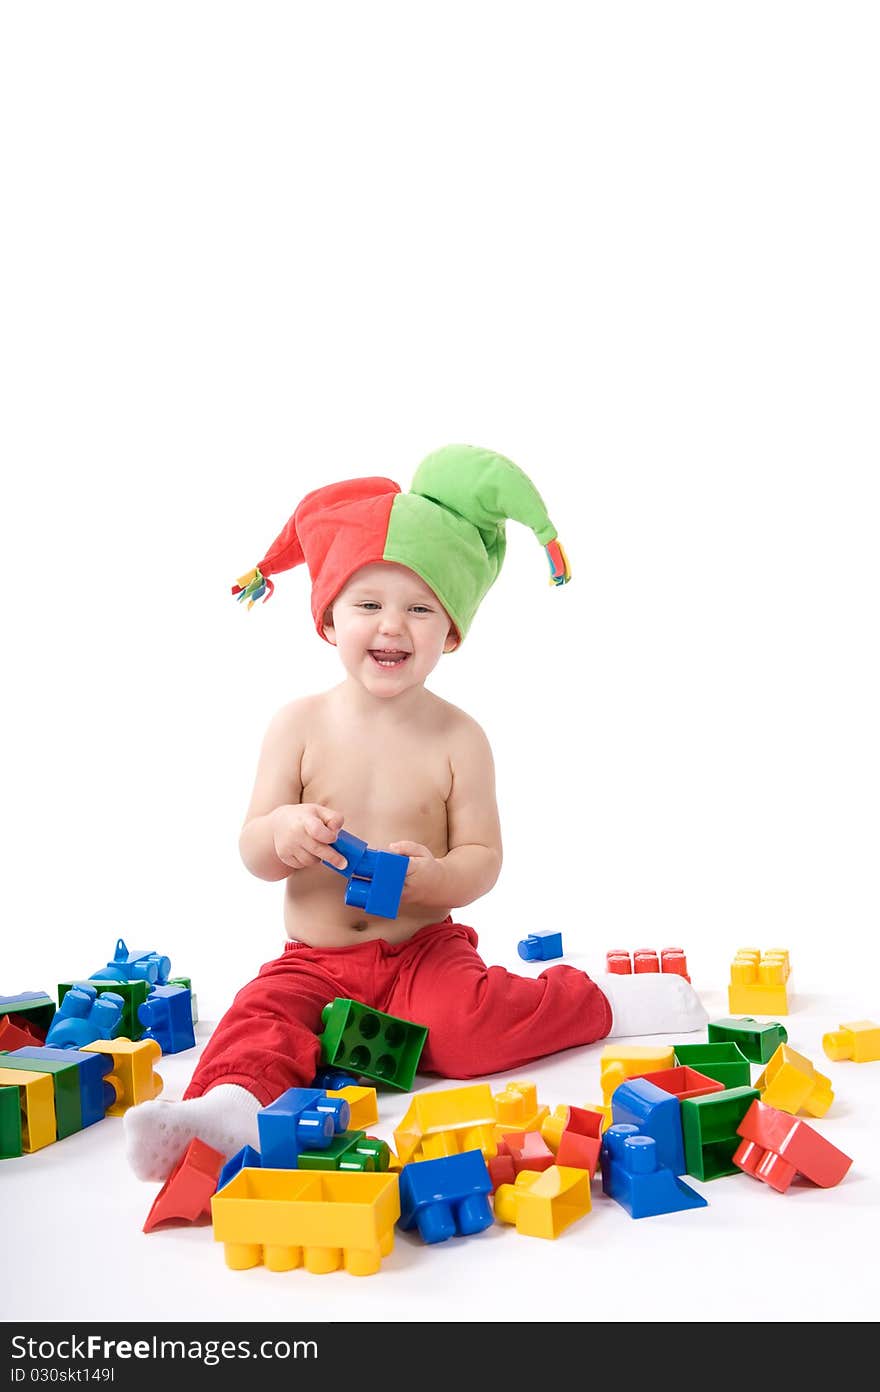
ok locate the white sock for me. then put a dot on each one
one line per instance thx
(157, 1133)
(651, 1003)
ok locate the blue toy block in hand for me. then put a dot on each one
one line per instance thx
(84, 1016)
(375, 878)
(540, 946)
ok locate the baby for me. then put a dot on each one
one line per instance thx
(396, 580)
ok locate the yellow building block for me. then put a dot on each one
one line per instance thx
(37, 1102)
(553, 1126)
(859, 1041)
(517, 1109)
(362, 1104)
(790, 1082)
(132, 1075)
(758, 982)
(545, 1203)
(319, 1219)
(619, 1062)
(468, 1112)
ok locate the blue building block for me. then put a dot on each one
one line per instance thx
(84, 1016)
(375, 878)
(540, 946)
(166, 1015)
(655, 1113)
(634, 1178)
(95, 1095)
(245, 1159)
(333, 1079)
(135, 966)
(300, 1119)
(446, 1196)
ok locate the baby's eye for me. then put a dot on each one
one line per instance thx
(368, 604)
(422, 609)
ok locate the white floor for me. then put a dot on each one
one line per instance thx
(72, 1214)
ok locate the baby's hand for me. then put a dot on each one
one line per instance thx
(303, 835)
(425, 883)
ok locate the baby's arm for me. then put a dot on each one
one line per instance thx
(280, 834)
(473, 861)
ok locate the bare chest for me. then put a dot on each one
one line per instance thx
(387, 790)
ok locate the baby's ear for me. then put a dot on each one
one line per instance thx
(329, 630)
(452, 639)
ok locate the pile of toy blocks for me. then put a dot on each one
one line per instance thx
(64, 1067)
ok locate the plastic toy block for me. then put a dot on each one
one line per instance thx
(757, 1042)
(316, 1219)
(527, 1149)
(617, 1063)
(373, 1045)
(758, 982)
(655, 1113)
(36, 1100)
(726, 1063)
(65, 1082)
(540, 946)
(17, 1036)
(362, 1105)
(84, 1016)
(186, 983)
(683, 1082)
(790, 1082)
(166, 1016)
(517, 1109)
(300, 1119)
(97, 1092)
(709, 1128)
(349, 1150)
(150, 967)
(443, 1198)
(375, 878)
(776, 1147)
(574, 1135)
(133, 993)
(29, 1008)
(634, 1177)
(246, 1158)
(467, 1114)
(131, 1074)
(10, 1123)
(859, 1041)
(645, 959)
(545, 1204)
(501, 1171)
(186, 1193)
(333, 1079)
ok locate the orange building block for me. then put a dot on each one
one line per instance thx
(776, 1147)
(186, 1193)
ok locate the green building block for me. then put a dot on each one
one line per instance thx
(709, 1125)
(39, 1010)
(368, 1044)
(349, 1151)
(65, 1078)
(134, 993)
(10, 1122)
(726, 1063)
(758, 1042)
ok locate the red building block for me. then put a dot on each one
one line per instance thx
(683, 1082)
(527, 1149)
(501, 1170)
(581, 1142)
(22, 1035)
(645, 959)
(186, 1193)
(777, 1146)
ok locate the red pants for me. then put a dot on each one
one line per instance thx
(480, 1019)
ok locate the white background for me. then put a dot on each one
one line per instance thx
(248, 250)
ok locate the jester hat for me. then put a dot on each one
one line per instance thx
(449, 529)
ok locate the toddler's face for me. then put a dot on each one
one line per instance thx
(390, 628)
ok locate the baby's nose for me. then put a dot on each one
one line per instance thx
(391, 621)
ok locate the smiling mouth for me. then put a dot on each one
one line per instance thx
(388, 657)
